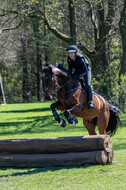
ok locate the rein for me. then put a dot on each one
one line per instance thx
(65, 85)
(62, 86)
(72, 90)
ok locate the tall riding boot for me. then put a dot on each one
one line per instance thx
(90, 96)
(82, 84)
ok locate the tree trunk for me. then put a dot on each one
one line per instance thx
(25, 83)
(122, 25)
(38, 70)
(38, 56)
(2, 96)
(45, 34)
(73, 28)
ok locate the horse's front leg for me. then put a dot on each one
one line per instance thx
(60, 122)
(71, 120)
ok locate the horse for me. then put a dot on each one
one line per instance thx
(72, 99)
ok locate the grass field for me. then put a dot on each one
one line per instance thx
(31, 120)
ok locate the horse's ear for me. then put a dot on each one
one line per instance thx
(47, 69)
(59, 66)
(50, 70)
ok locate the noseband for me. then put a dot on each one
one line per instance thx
(57, 89)
(47, 85)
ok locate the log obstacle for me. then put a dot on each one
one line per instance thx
(61, 151)
(56, 145)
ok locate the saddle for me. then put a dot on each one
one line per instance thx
(84, 87)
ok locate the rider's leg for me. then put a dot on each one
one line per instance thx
(90, 97)
(89, 90)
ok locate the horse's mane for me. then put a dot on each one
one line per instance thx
(60, 67)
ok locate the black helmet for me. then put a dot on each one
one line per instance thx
(72, 48)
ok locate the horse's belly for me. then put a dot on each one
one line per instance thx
(89, 113)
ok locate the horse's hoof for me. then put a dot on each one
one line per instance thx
(74, 121)
(62, 123)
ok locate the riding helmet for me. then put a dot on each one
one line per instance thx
(72, 48)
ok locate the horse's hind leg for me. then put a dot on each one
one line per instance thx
(90, 127)
(103, 122)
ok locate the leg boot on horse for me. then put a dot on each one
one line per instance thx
(60, 122)
(71, 120)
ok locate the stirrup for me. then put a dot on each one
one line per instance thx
(91, 105)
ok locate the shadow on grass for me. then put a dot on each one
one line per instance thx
(41, 170)
(36, 124)
(28, 110)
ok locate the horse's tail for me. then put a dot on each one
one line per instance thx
(114, 120)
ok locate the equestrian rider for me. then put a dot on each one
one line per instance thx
(77, 62)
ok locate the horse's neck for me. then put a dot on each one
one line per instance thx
(62, 80)
(65, 80)
(67, 83)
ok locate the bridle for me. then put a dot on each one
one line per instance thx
(46, 82)
(57, 89)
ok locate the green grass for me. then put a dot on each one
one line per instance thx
(31, 120)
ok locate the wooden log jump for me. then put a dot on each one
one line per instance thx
(62, 159)
(56, 145)
(61, 151)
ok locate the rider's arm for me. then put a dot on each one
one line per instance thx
(84, 69)
(69, 65)
(69, 68)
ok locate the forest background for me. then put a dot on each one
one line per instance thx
(37, 32)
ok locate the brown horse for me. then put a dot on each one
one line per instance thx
(72, 99)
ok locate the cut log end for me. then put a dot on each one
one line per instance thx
(110, 157)
(108, 143)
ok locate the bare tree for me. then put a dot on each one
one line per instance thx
(38, 56)
(25, 81)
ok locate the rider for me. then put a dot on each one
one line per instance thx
(77, 62)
